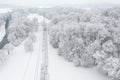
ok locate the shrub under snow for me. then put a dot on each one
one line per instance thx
(29, 43)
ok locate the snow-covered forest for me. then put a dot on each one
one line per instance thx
(86, 37)
(15, 28)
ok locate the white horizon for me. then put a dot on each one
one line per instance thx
(47, 3)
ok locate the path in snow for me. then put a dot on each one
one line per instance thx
(14, 67)
(31, 72)
(22, 65)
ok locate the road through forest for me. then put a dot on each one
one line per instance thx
(26, 66)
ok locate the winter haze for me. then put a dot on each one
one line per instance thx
(50, 3)
(59, 40)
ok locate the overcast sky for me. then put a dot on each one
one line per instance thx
(57, 2)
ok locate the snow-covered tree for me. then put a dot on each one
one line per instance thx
(87, 37)
(109, 48)
(111, 66)
(29, 42)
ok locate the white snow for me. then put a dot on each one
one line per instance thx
(60, 69)
(31, 72)
(5, 10)
(2, 31)
(24, 66)
(31, 16)
(14, 67)
(40, 18)
(21, 65)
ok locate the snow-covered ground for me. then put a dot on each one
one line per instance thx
(25, 66)
(21, 65)
(31, 71)
(2, 31)
(14, 67)
(60, 69)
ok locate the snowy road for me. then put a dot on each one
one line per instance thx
(22, 65)
(14, 67)
(33, 66)
(26, 66)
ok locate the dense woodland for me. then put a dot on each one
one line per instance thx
(18, 27)
(86, 37)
